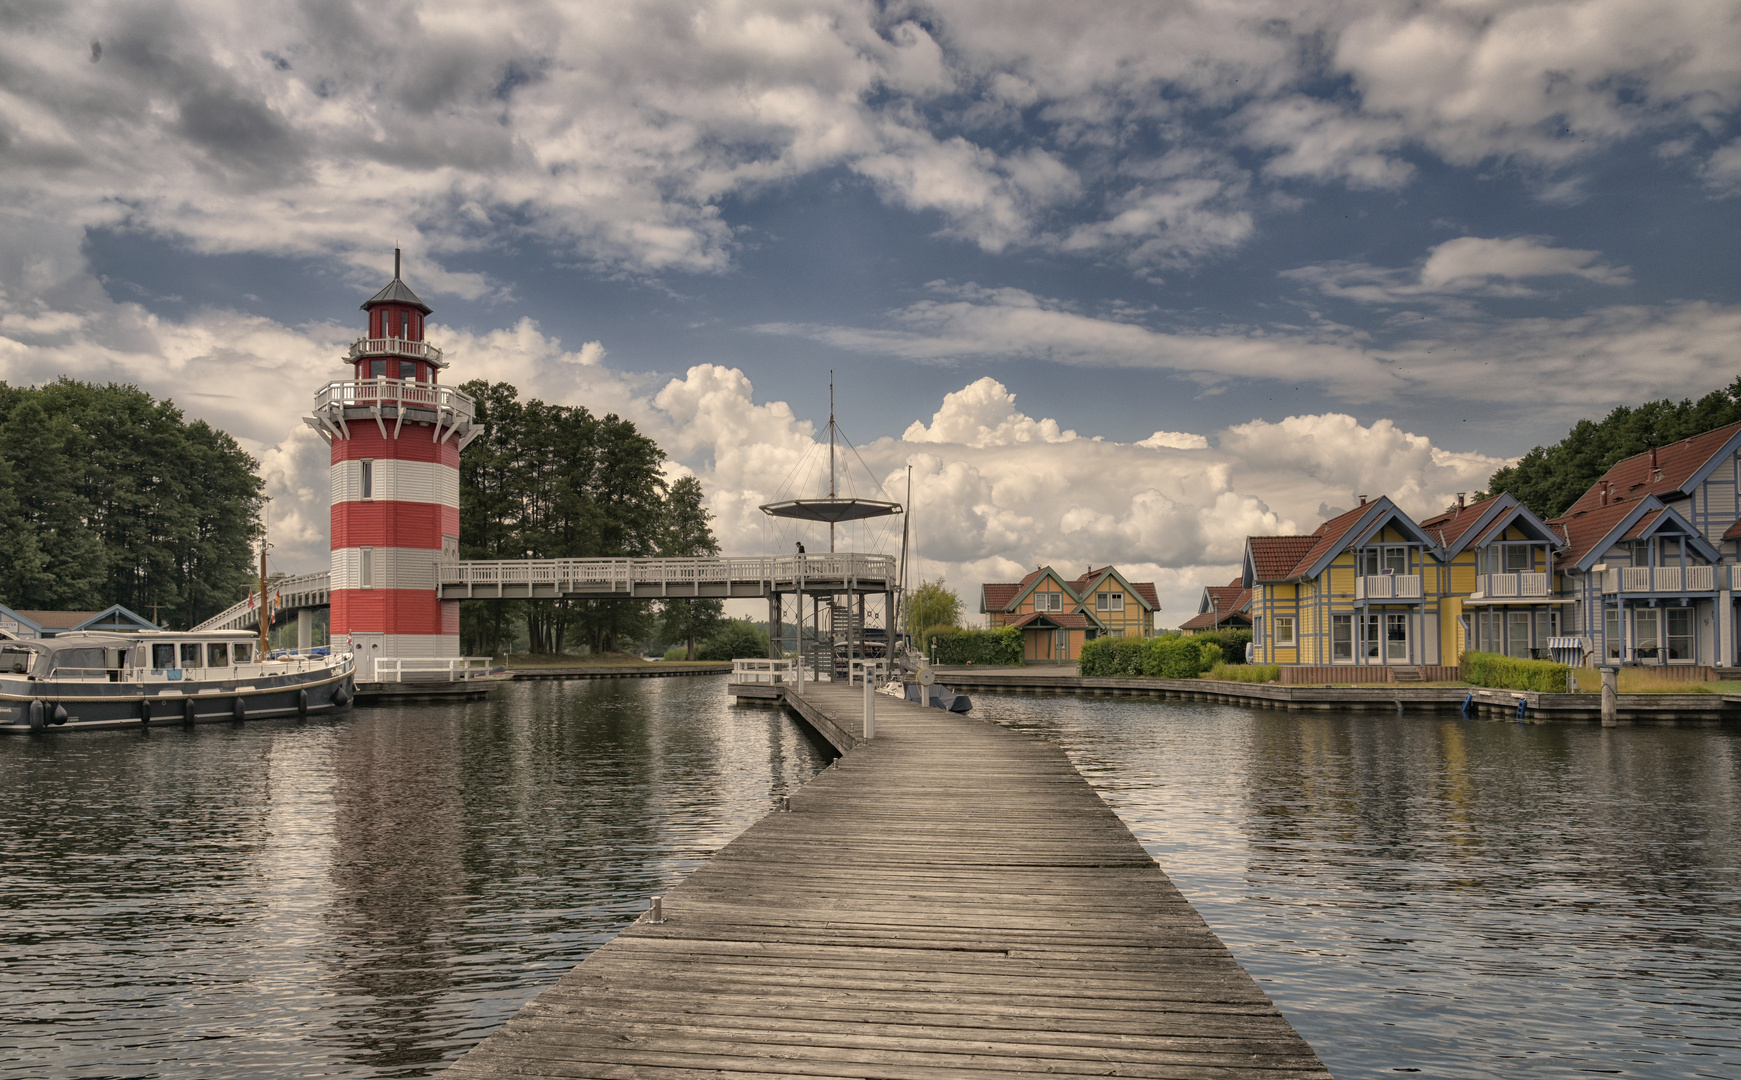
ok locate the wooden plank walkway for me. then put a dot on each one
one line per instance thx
(949, 900)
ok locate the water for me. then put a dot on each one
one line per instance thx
(1448, 897)
(365, 896)
(370, 895)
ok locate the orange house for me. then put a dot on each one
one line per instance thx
(1058, 615)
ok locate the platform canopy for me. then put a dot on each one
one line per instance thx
(833, 509)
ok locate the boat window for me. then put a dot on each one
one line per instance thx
(218, 654)
(240, 648)
(14, 661)
(162, 656)
(190, 655)
(81, 660)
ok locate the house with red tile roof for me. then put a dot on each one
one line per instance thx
(1223, 607)
(1058, 615)
(1500, 563)
(1652, 552)
(1361, 593)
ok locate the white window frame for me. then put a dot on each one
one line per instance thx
(366, 568)
(1344, 649)
(1284, 630)
(366, 483)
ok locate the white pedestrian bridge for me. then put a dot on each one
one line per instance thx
(722, 577)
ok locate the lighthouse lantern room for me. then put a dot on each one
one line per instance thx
(396, 435)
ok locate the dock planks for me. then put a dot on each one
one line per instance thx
(949, 900)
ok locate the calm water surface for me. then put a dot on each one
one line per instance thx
(369, 896)
(1454, 898)
(364, 896)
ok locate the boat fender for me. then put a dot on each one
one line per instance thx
(1522, 705)
(144, 712)
(38, 715)
(240, 709)
(341, 697)
(188, 712)
(1468, 700)
(60, 716)
(302, 703)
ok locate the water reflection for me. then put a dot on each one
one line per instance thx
(1461, 898)
(362, 896)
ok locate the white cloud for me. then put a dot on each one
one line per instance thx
(1465, 266)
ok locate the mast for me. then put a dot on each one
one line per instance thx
(906, 519)
(265, 616)
(831, 492)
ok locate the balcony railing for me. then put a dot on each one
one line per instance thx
(1505, 585)
(1660, 579)
(1387, 587)
(376, 346)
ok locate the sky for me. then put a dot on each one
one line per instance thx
(1120, 282)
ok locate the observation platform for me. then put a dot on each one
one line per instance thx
(949, 900)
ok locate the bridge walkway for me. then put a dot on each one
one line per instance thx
(950, 899)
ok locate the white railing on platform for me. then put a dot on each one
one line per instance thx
(372, 393)
(1701, 579)
(246, 613)
(399, 669)
(624, 574)
(1387, 587)
(375, 346)
(763, 671)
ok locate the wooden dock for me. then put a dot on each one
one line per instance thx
(949, 899)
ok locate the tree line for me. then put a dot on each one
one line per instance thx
(550, 481)
(108, 496)
(1549, 479)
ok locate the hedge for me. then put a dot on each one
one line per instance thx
(1232, 642)
(1510, 673)
(1163, 657)
(1253, 673)
(1003, 647)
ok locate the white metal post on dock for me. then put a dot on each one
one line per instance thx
(870, 704)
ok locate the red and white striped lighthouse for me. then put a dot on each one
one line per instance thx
(396, 435)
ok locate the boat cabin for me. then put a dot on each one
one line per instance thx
(146, 657)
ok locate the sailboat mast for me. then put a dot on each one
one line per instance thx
(831, 456)
(906, 520)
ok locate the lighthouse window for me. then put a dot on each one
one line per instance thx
(366, 572)
(368, 478)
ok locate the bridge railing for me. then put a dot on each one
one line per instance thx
(316, 582)
(624, 573)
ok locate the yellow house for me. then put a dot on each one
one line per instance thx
(1356, 601)
(1500, 592)
(1058, 615)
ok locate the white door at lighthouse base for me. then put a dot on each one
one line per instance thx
(366, 648)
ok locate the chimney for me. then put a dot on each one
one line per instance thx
(1362, 500)
(1604, 493)
(1653, 457)
(1460, 495)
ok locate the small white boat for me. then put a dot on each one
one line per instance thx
(92, 679)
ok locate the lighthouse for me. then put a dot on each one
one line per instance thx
(396, 434)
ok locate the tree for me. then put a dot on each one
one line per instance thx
(688, 535)
(556, 482)
(119, 500)
(932, 604)
(735, 639)
(1549, 479)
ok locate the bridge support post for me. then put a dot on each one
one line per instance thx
(304, 629)
(775, 632)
